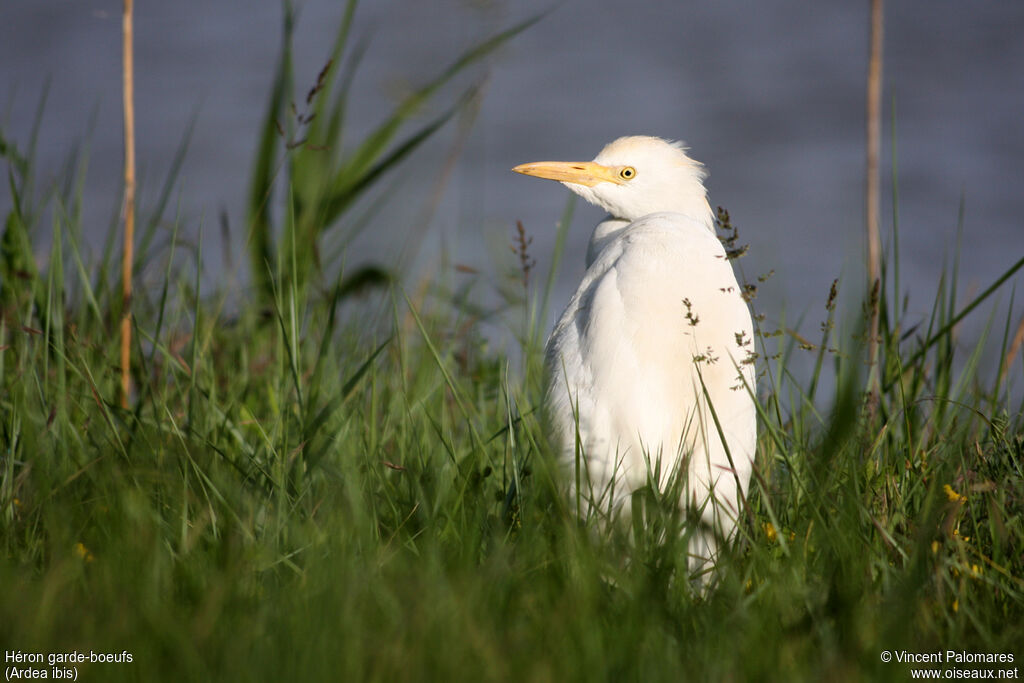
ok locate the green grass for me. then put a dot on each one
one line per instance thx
(347, 482)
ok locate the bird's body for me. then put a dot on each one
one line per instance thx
(649, 369)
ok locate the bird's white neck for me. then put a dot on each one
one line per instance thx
(610, 228)
(604, 232)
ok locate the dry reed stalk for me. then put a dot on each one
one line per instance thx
(1011, 355)
(129, 203)
(874, 125)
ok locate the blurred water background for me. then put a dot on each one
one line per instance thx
(770, 96)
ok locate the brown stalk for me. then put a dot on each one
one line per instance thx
(1011, 355)
(129, 203)
(874, 126)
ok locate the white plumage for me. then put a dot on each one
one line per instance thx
(657, 326)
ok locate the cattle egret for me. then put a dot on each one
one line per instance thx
(651, 366)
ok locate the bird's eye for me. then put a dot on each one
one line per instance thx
(627, 172)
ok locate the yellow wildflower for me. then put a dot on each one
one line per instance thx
(953, 495)
(769, 531)
(83, 552)
(956, 605)
(935, 547)
(956, 534)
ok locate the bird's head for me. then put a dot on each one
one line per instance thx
(632, 177)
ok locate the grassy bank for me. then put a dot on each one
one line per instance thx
(361, 490)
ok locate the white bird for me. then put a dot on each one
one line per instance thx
(656, 343)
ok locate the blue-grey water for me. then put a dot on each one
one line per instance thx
(770, 96)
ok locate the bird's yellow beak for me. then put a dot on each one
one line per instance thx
(580, 172)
